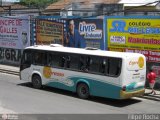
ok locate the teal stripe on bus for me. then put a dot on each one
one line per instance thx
(97, 87)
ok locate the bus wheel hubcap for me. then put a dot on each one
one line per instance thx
(83, 90)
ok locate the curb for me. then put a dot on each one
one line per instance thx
(13, 72)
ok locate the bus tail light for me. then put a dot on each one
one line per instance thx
(124, 88)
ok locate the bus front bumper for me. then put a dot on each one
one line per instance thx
(126, 95)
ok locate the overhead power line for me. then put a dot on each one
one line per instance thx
(126, 10)
(88, 10)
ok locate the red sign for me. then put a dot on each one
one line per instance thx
(151, 56)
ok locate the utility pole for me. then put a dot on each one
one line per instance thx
(158, 5)
(0, 2)
(6, 7)
(9, 7)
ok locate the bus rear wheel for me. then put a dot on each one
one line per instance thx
(36, 81)
(83, 91)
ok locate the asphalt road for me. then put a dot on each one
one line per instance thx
(19, 97)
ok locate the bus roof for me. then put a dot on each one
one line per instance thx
(98, 52)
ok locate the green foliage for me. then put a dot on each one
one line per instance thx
(37, 3)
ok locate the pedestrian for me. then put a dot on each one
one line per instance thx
(151, 76)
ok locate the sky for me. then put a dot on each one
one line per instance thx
(136, 2)
(10, 0)
(122, 1)
(126, 2)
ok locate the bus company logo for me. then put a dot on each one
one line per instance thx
(140, 62)
(47, 72)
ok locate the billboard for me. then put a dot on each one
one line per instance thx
(151, 55)
(134, 34)
(83, 33)
(79, 33)
(48, 32)
(15, 32)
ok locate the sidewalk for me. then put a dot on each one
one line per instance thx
(148, 92)
(149, 96)
(7, 67)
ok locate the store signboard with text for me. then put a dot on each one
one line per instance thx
(151, 55)
(48, 32)
(134, 34)
(15, 32)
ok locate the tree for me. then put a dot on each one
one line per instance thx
(37, 3)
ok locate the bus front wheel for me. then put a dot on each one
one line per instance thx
(83, 91)
(36, 81)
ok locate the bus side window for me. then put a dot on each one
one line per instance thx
(49, 60)
(94, 64)
(73, 64)
(62, 61)
(56, 60)
(27, 59)
(103, 66)
(67, 61)
(82, 63)
(39, 58)
(114, 66)
(119, 67)
(88, 63)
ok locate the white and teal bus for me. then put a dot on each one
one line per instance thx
(88, 72)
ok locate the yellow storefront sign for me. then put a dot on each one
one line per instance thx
(133, 33)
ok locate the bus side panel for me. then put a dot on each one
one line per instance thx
(105, 90)
(97, 87)
(25, 74)
(61, 86)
